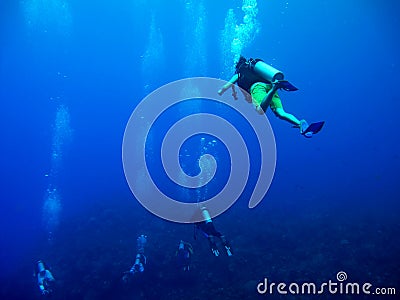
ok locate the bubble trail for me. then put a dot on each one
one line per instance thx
(62, 134)
(235, 38)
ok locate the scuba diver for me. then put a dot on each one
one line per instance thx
(261, 81)
(184, 255)
(209, 231)
(45, 279)
(140, 260)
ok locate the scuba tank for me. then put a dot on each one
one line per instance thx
(265, 71)
(269, 73)
(206, 215)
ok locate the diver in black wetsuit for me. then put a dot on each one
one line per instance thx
(140, 259)
(209, 231)
(184, 256)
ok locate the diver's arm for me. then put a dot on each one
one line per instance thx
(228, 84)
(268, 98)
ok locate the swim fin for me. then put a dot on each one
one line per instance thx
(313, 128)
(286, 85)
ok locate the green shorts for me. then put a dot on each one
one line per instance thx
(258, 92)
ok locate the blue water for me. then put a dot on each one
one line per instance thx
(72, 72)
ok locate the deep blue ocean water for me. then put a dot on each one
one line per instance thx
(72, 72)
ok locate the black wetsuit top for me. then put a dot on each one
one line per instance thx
(208, 229)
(247, 76)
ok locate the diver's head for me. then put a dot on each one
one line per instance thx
(240, 62)
(181, 245)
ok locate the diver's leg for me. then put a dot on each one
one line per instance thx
(281, 114)
(213, 245)
(212, 231)
(227, 245)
